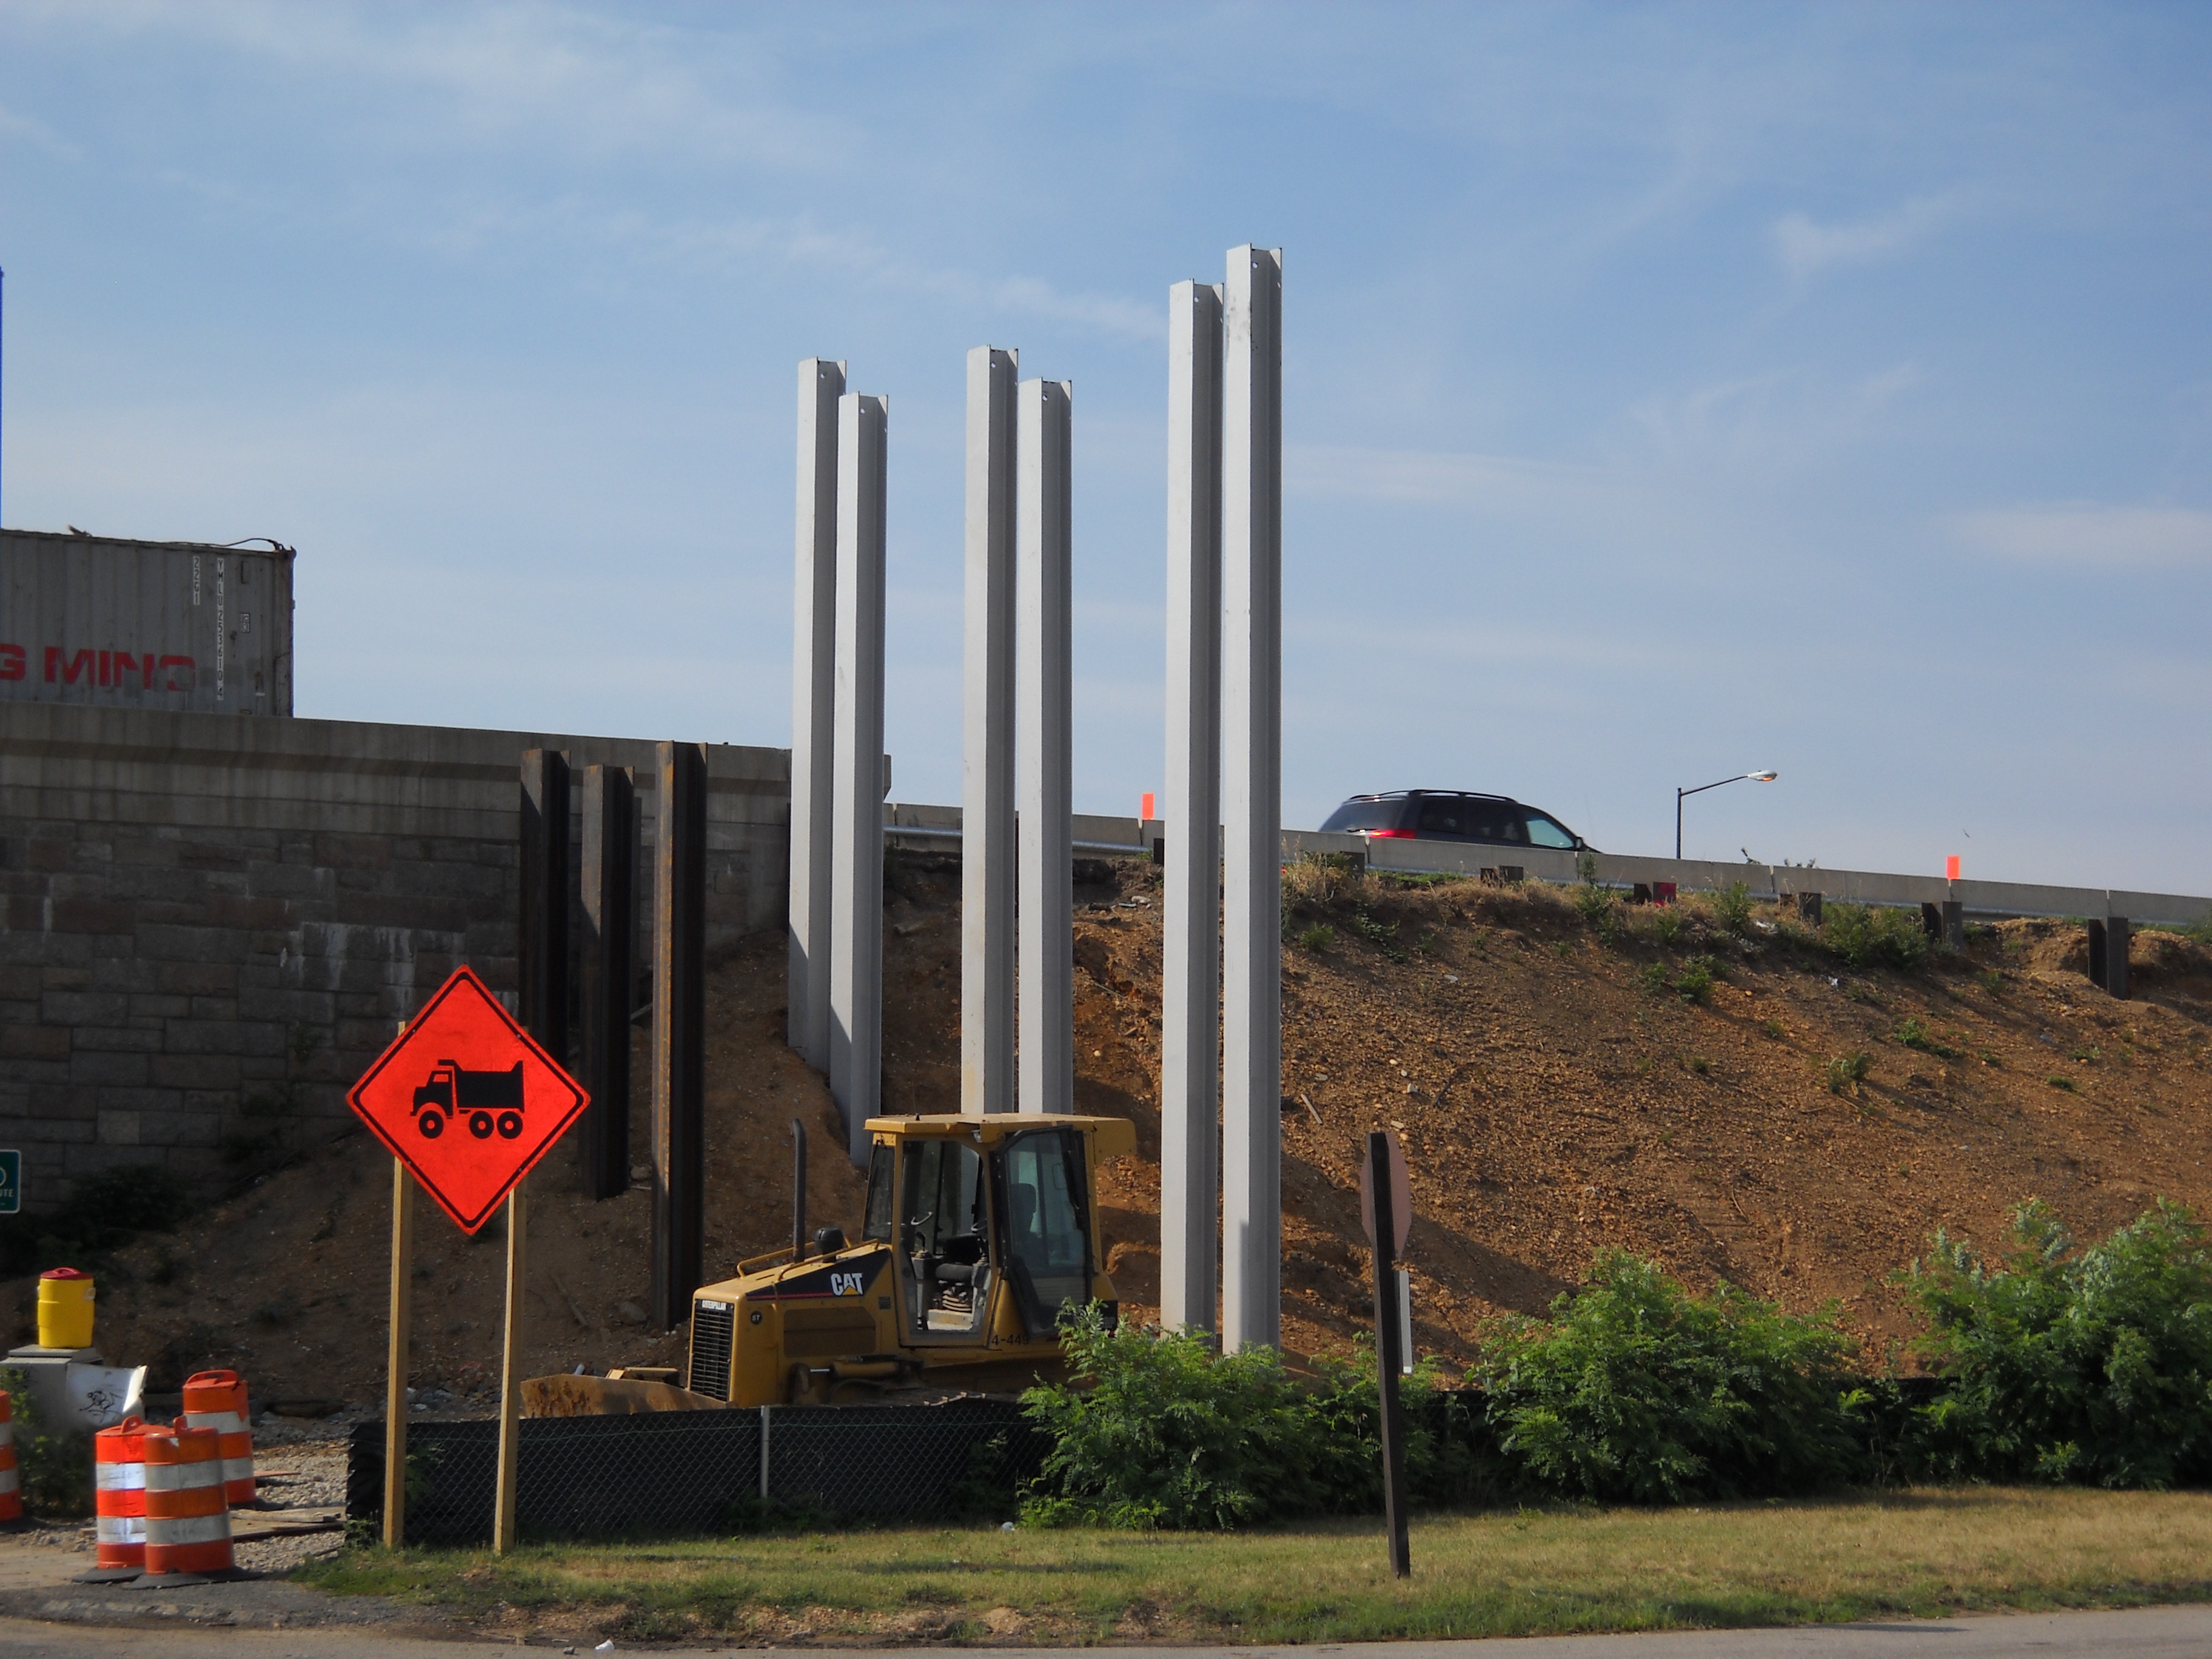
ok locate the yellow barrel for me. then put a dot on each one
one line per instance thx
(65, 1308)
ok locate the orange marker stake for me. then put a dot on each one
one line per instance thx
(1145, 811)
(1951, 867)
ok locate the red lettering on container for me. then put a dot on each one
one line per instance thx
(12, 661)
(71, 671)
(125, 664)
(185, 663)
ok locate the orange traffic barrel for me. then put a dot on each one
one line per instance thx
(118, 1501)
(216, 1399)
(65, 1308)
(187, 1522)
(11, 1485)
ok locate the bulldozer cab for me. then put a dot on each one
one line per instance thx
(972, 1224)
(977, 1232)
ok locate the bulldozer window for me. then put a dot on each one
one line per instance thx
(1045, 1231)
(941, 1234)
(879, 1224)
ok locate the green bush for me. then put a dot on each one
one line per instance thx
(1732, 907)
(1695, 983)
(1156, 1428)
(1636, 1391)
(2065, 1364)
(1847, 1071)
(1874, 936)
(1317, 938)
(53, 1470)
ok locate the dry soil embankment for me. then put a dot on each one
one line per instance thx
(1551, 1104)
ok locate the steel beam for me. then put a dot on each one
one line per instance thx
(679, 1032)
(1190, 974)
(987, 742)
(1251, 801)
(542, 931)
(608, 972)
(813, 659)
(856, 858)
(1044, 694)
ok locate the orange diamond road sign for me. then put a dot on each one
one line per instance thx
(467, 1100)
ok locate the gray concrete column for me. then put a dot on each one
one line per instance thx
(856, 857)
(813, 658)
(1044, 692)
(1190, 972)
(987, 742)
(1251, 801)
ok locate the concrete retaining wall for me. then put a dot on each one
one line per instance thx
(209, 926)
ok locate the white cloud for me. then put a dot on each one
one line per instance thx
(25, 126)
(2088, 534)
(1805, 245)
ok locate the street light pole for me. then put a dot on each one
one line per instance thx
(1754, 777)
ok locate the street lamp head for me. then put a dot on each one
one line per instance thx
(1763, 777)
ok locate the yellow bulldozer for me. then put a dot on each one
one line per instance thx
(977, 1232)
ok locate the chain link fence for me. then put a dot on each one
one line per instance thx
(702, 1472)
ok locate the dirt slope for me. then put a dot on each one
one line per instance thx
(1551, 1104)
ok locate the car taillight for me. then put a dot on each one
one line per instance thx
(1390, 835)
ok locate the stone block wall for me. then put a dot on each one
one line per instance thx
(210, 925)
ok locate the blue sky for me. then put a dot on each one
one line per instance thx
(1669, 391)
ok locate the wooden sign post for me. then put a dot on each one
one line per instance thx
(395, 1361)
(468, 1102)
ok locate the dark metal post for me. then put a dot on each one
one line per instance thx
(608, 970)
(679, 1022)
(2118, 933)
(1389, 1358)
(542, 937)
(2098, 976)
(797, 1189)
(1678, 826)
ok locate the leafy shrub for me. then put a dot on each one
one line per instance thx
(1872, 936)
(1317, 938)
(1592, 903)
(53, 1470)
(1382, 935)
(2065, 1364)
(1732, 908)
(1667, 925)
(1636, 1391)
(1913, 1034)
(1847, 1071)
(1695, 983)
(1654, 977)
(1157, 1428)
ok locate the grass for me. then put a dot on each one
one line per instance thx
(1529, 1573)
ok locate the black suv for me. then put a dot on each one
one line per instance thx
(1452, 815)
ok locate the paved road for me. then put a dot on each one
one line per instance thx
(2142, 1633)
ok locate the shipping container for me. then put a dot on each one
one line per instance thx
(90, 619)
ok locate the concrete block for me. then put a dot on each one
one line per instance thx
(206, 1037)
(197, 978)
(193, 1071)
(135, 1037)
(22, 1042)
(223, 1008)
(76, 1008)
(338, 852)
(118, 1128)
(86, 916)
(194, 945)
(67, 979)
(97, 1066)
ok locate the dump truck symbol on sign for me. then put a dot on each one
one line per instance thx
(491, 1099)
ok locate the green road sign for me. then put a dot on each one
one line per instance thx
(11, 1182)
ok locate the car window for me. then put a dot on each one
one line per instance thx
(1547, 832)
(1443, 815)
(1365, 815)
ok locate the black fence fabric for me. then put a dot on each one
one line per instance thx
(700, 1472)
